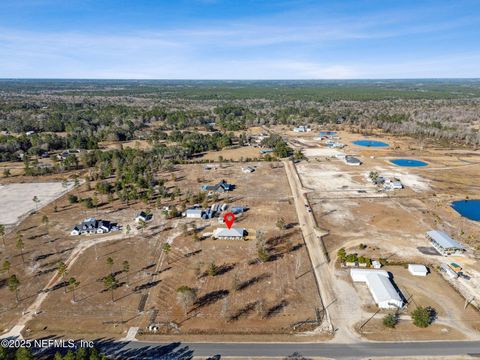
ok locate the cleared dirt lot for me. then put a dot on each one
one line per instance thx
(236, 154)
(274, 297)
(393, 224)
(17, 199)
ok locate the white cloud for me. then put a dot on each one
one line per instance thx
(279, 47)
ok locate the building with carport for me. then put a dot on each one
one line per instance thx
(444, 244)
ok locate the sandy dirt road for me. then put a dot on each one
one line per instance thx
(319, 257)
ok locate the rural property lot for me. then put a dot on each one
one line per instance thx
(17, 199)
(245, 297)
(270, 297)
(393, 226)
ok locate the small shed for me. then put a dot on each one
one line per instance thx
(447, 270)
(417, 269)
(194, 213)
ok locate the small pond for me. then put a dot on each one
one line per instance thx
(408, 162)
(468, 208)
(370, 143)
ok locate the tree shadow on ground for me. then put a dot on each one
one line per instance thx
(123, 350)
(210, 298)
(192, 253)
(274, 310)
(43, 256)
(147, 285)
(243, 311)
(252, 281)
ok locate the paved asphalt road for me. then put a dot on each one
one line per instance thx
(145, 350)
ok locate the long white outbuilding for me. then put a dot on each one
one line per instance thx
(380, 286)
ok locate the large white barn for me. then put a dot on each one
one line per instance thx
(380, 286)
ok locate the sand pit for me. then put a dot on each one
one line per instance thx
(332, 181)
(323, 151)
(17, 199)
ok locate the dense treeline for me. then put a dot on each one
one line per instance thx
(80, 115)
(37, 144)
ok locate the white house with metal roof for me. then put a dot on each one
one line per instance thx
(380, 286)
(229, 234)
(444, 244)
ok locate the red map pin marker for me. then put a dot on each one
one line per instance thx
(229, 218)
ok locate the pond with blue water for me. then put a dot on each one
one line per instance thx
(408, 162)
(370, 143)
(468, 208)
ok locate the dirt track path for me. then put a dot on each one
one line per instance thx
(35, 306)
(336, 314)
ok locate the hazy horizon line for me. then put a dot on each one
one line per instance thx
(233, 79)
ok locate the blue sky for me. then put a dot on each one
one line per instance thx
(243, 39)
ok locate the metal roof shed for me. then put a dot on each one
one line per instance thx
(229, 234)
(443, 243)
(417, 269)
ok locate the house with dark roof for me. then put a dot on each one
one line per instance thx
(353, 161)
(143, 216)
(222, 186)
(92, 226)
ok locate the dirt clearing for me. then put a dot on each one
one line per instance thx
(17, 199)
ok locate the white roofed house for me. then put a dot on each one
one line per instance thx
(380, 285)
(248, 169)
(229, 234)
(444, 244)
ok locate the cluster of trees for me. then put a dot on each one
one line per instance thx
(278, 145)
(351, 258)
(177, 119)
(195, 142)
(233, 117)
(37, 144)
(422, 317)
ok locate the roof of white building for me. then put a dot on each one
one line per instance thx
(444, 240)
(194, 211)
(417, 268)
(382, 288)
(379, 284)
(233, 232)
